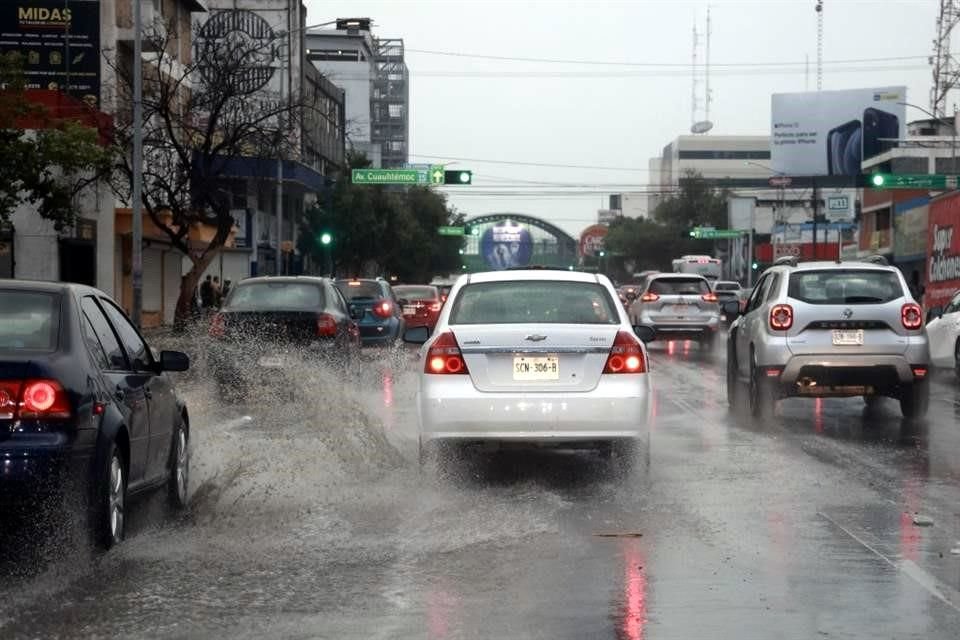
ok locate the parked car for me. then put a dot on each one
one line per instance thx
(678, 306)
(84, 402)
(377, 310)
(943, 332)
(827, 329)
(533, 358)
(268, 324)
(421, 304)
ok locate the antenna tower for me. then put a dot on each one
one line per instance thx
(707, 98)
(693, 75)
(946, 71)
(819, 10)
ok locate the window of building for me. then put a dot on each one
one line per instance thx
(395, 110)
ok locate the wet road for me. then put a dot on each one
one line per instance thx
(309, 519)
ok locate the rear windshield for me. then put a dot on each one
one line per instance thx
(29, 321)
(284, 296)
(416, 293)
(525, 301)
(679, 286)
(360, 290)
(726, 286)
(847, 286)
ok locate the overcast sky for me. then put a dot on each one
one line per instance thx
(618, 116)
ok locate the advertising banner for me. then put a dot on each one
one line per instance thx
(506, 245)
(943, 251)
(59, 41)
(829, 133)
(910, 230)
(592, 238)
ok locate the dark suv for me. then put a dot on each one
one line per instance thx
(378, 312)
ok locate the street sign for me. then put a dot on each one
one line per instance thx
(839, 208)
(385, 176)
(450, 231)
(436, 174)
(709, 233)
(934, 181)
(780, 181)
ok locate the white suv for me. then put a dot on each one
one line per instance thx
(828, 329)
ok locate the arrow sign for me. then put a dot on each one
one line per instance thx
(436, 174)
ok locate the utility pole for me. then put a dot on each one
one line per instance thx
(279, 254)
(816, 215)
(136, 210)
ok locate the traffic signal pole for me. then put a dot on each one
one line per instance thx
(816, 216)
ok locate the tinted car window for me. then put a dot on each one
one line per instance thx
(773, 287)
(360, 289)
(416, 293)
(756, 297)
(137, 351)
(106, 336)
(282, 296)
(93, 343)
(512, 302)
(679, 286)
(845, 286)
(726, 286)
(29, 320)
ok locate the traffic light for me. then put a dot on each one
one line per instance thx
(755, 266)
(470, 231)
(878, 180)
(325, 238)
(458, 177)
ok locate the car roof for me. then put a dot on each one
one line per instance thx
(673, 276)
(828, 265)
(533, 274)
(47, 286)
(287, 279)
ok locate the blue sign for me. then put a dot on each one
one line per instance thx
(506, 245)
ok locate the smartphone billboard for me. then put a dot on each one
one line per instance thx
(829, 133)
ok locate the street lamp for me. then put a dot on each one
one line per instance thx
(953, 131)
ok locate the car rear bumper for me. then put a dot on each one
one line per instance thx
(455, 410)
(28, 472)
(846, 375)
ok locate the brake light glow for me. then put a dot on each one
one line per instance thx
(911, 315)
(649, 297)
(436, 306)
(383, 309)
(709, 297)
(218, 325)
(626, 355)
(919, 372)
(444, 356)
(781, 317)
(326, 325)
(33, 399)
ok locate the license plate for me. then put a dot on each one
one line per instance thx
(681, 309)
(409, 311)
(848, 338)
(271, 362)
(536, 368)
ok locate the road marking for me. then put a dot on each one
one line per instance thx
(942, 592)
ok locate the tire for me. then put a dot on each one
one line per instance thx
(178, 484)
(762, 400)
(111, 499)
(734, 386)
(915, 400)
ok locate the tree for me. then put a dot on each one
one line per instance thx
(199, 115)
(45, 161)
(383, 230)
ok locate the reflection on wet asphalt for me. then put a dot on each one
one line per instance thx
(310, 519)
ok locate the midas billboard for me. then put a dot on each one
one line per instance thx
(830, 133)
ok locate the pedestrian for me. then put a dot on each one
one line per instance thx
(206, 293)
(217, 292)
(226, 290)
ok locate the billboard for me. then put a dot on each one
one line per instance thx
(943, 251)
(592, 238)
(506, 245)
(59, 41)
(829, 133)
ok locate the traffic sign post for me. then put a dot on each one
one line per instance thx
(450, 231)
(709, 233)
(413, 175)
(934, 181)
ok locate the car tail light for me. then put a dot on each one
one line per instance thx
(626, 355)
(444, 356)
(919, 372)
(33, 399)
(781, 317)
(326, 325)
(218, 325)
(649, 297)
(383, 309)
(436, 306)
(709, 297)
(911, 315)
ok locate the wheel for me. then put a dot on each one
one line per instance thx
(733, 377)
(179, 481)
(956, 357)
(111, 500)
(762, 399)
(915, 400)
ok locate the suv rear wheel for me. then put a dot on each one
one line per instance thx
(734, 387)
(956, 357)
(915, 399)
(762, 392)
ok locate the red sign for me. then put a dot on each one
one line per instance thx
(943, 251)
(591, 239)
(780, 181)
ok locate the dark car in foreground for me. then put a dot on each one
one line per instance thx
(85, 405)
(421, 304)
(267, 326)
(377, 310)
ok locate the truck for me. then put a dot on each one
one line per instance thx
(706, 266)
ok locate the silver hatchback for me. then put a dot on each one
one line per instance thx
(827, 329)
(678, 306)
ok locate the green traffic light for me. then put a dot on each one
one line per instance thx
(461, 251)
(603, 253)
(878, 179)
(465, 177)
(326, 239)
(755, 266)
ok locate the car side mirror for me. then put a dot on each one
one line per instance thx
(731, 309)
(173, 361)
(356, 313)
(646, 334)
(416, 335)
